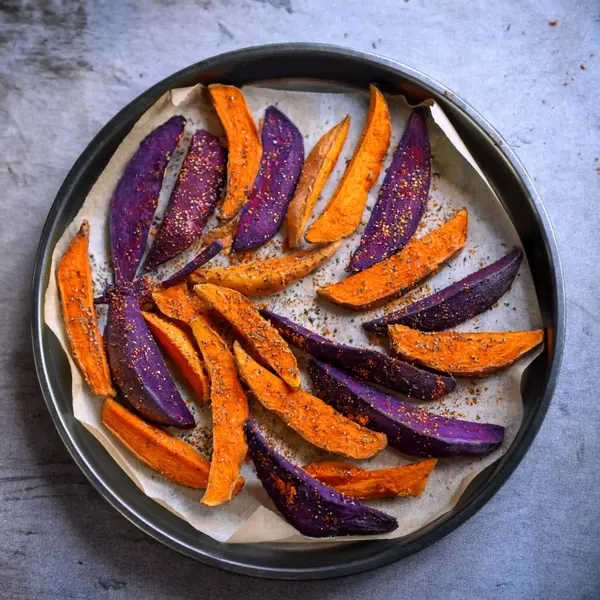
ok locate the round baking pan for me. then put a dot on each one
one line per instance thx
(312, 67)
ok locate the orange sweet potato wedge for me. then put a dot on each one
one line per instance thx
(179, 347)
(309, 416)
(179, 303)
(395, 275)
(229, 411)
(265, 340)
(470, 354)
(264, 277)
(74, 280)
(245, 149)
(344, 211)
(315, 172)
(162, 452)
(408, 480)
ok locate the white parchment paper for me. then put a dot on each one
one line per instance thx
(457, 182)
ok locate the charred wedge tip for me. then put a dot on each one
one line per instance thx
(200, 259)
(409, 428)
(314, 509)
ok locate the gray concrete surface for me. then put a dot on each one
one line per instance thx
(68, 66)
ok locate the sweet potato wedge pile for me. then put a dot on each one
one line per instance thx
(388, 279)
(306, 414)
(409, 480)
(344, 211)
(472, 354)
(224, 345)
(257, 331)
(268, 276)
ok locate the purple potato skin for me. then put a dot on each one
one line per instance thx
(280, 167)
(194, 199)
(408, 428)
(138, 366)
(201, 258)
(365, 363)
(457, 303)
(136, 196)
(316, 510)
(402, 198)
(141, 288)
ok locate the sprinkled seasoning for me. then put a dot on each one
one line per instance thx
(136, 196)
(365, 363)
(410, 429)
(458, 302)
(281, 164)
(138, 367)
(402, 197)
(312, 508)
(193, 201)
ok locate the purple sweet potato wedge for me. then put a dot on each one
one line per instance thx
(402, 198)
(193, 201)
(409, 428)
(135, 198)
(457, 303)
(200, 259)
(314, 509)
(138, 367)
(280, 167)
(365, 363)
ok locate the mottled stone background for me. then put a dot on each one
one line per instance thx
(67, 67)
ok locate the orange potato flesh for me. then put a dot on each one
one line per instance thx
(229, 411)
(179, 303)
(266, 341)
(179, 347)
(75, 286)
(344, 211)
(388, 279)
(309, 416)
(266, 276)
(471, 354)
(315, 172)
(408, 480)
(244, 146)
